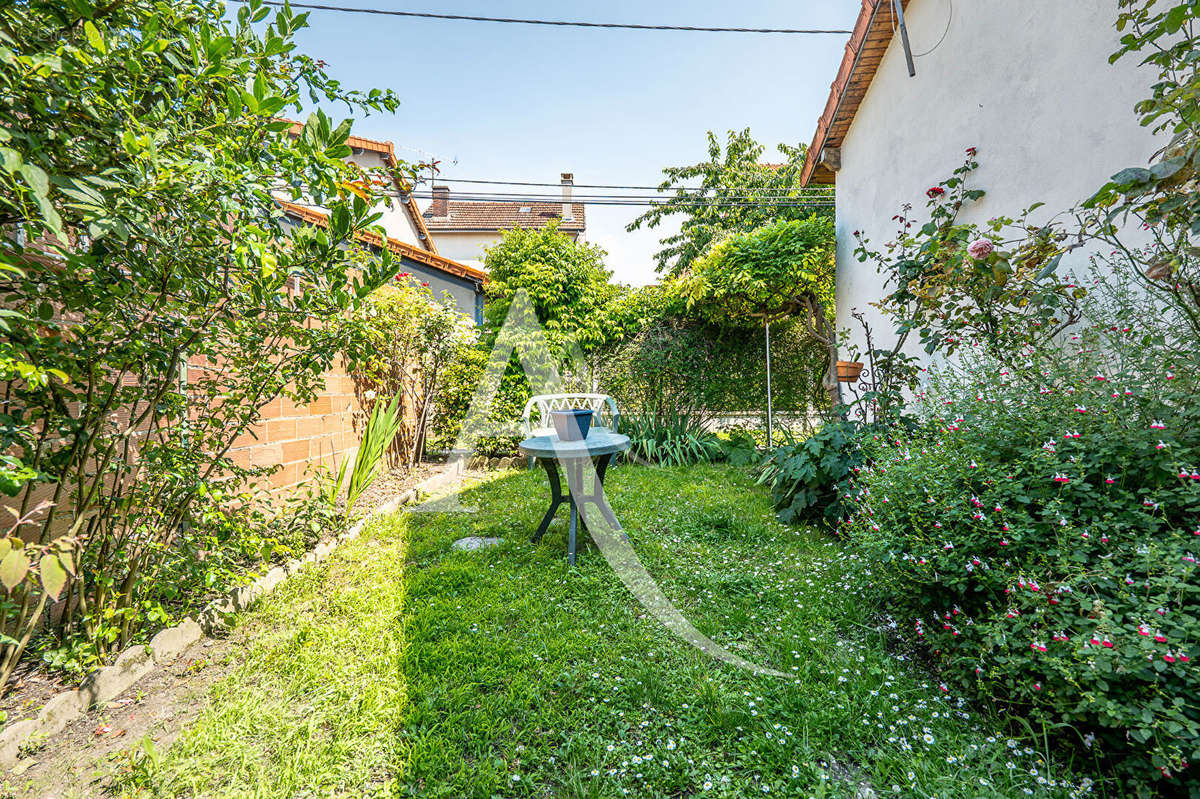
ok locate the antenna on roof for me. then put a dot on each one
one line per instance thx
(898, 10)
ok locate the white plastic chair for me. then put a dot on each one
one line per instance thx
(602, 406)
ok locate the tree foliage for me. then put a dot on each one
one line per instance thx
(154, 296)
(566, 281)
(1165, 195)
(410, 340)
(753, 193)
(780, 270)
(767, 273)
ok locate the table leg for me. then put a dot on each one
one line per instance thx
(574, 480)
(605, 508)
(556, 497)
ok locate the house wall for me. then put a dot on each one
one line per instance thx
(467, 247)
(1027, 82)
(465, 294)
(395, 220)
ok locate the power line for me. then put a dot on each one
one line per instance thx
(554, 198)
(440, 179)
(700, 203)
(554, 22)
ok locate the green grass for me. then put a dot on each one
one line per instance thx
(405, 668)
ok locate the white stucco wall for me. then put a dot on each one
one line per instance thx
(395, 220)
(466, 248)
(1027, 82)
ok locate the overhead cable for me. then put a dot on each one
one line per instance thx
(555, 22)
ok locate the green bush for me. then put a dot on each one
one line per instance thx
(809, 478)
(1038, 540)
(460, 379)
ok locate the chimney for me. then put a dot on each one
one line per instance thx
(441, 201)
(568, 183)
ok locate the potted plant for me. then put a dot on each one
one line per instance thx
(572, 424)
(848, 371)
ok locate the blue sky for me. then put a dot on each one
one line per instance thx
(518, 102)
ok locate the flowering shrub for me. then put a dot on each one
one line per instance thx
(1039, 537)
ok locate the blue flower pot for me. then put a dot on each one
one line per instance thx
(572, 425)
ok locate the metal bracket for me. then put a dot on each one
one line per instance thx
(898, 10)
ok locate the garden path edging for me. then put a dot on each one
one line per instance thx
(105, 684)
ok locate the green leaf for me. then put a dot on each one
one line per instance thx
(94, 38)
(1132, 175)
(1050, 267)
(53, 575)
(39, 183)
(13, 568)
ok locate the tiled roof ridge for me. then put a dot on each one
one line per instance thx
(441, 262)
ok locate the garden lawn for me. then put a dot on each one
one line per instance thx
(404, 667)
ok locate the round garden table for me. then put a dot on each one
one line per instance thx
(550, 450)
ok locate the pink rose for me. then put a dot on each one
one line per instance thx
(980, 249)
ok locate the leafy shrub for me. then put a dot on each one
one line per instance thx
(150, 312)
(410, 339)
(234, 533)
(740, 446)
(810, 478)
(671, 439)
(460, 380)
(1039, 539)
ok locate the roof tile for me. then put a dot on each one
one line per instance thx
(487, 216)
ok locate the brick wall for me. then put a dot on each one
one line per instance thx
(300, 437)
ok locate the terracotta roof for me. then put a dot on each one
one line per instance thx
(869, 41)
(388, 151)
(440, 262)
(467, 215)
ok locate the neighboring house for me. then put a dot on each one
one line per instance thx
(407, 234)
(464, 227)
(463, 282)
(326, 431)
(1027, 82)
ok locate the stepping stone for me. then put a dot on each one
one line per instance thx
(474, 542)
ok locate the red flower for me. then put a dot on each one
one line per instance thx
(936, 191)
(971, 151)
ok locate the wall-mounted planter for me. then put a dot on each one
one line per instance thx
(848, 371)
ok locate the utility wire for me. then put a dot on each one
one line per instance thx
(553, 198)
(555, 22)
(659, 189)
(662, 203)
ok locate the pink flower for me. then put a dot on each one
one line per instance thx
(980, 249)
